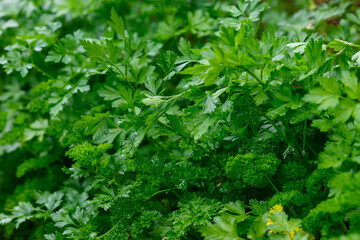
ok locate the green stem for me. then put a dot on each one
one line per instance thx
(125, 77)
(276, 127)
(257, 80)
(178, 195)
(42, 71)
(112, 229)
(183, 135)
(253, 75)
(293, 143)
(272, 184)
(158, 192)
(71, 70)
(275, 188)
(262, 71)
(36, 66)
(304, 137)
(344, 226)
(292, 210)
(311, 149)
(127, 61)
(30, 150)
(260, 20)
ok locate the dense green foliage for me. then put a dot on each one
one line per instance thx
(179, 119)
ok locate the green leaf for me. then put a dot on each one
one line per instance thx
(153, 85)
(114, 95)
(237, 11)
(338, 44)
(116, 23)
(33, 164)
(96, 125)
(326, 97)
(351, 83)
(177, 124)
(209, 105)
(281, 223)
(185, 48)
(213, 73)
(112, 51)
(354, 18)
(224, 228)
(197, 69)
(356, 115)
(202, 128)
(346, 109)
(334, 155)
(236, 208)
(258, 207)
(81, 216)
(37, 129)
(323, 124)
(257, 229)
(94, 50)
(50, 201)
(356, 58)
(153, 101)
(167, 61)
(22, 212)
(169, 28)
(5, 219)
(62, 219)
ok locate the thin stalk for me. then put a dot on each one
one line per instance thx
(178, 195)
(260, 20)
(311, 149)
(262, 71)
(158, 192)
(257, 80)
(128, 59)
(253, 75)
(272, 184)
(344, 226)
(294, 144)
(125, 77)
(292, 210)
(187, 138)
(42, 71)
(276, 127)
(304, 137)
(276, 190)
(296, 147)
(30, 150)
(112, 229)
(36, 66)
